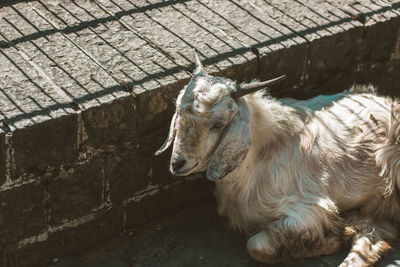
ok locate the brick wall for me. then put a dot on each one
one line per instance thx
(71, 182)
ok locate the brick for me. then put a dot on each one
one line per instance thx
(22, 211)
(275, 63)
(333, 60)
(112, 123)
(50, 143)
(380, 57)
(154, 108)
(131, 171)
(127, 175)
(75, 191)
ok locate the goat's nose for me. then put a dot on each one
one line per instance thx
(177, 164)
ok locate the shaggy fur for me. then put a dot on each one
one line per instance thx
(301, 182)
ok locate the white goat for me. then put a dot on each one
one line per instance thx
(304, 183)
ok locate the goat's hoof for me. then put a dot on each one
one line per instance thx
(354, 261)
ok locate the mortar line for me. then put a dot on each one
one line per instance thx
(44, 235)
(153, 189)
(3, 124)
(10, 159)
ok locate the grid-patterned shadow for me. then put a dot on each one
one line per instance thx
(63, 28)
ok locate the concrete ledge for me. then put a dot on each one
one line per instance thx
(87, 92)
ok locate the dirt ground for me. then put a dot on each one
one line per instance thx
(195, 236)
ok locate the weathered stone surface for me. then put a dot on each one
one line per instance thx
(137, 169)
(333, 60)
(75, 191)
(21, 211)
(81, 79)
(127, 173)
(154, 109)
(276, 63)
(249, 27)
(381, 60)
(110, 124)
(117, 48)
(170, 27)
(52, 142)
(305, 18)
(27, 97)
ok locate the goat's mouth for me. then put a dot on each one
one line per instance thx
(186, 171)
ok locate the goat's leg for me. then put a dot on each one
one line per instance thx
(364, 252)
(276, 246)
(368, 245)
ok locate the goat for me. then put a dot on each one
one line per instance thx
(301, 182)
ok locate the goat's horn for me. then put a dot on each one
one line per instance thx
(245, 89)
(199, 65)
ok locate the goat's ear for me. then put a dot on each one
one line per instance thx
(233, 147)
(199, 65)
(170, 138)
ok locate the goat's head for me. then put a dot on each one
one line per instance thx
(210, 128)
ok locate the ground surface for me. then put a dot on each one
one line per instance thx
(195, 236)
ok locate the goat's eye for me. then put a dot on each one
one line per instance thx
(217, 126)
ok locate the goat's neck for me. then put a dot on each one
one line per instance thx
(273, 126)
